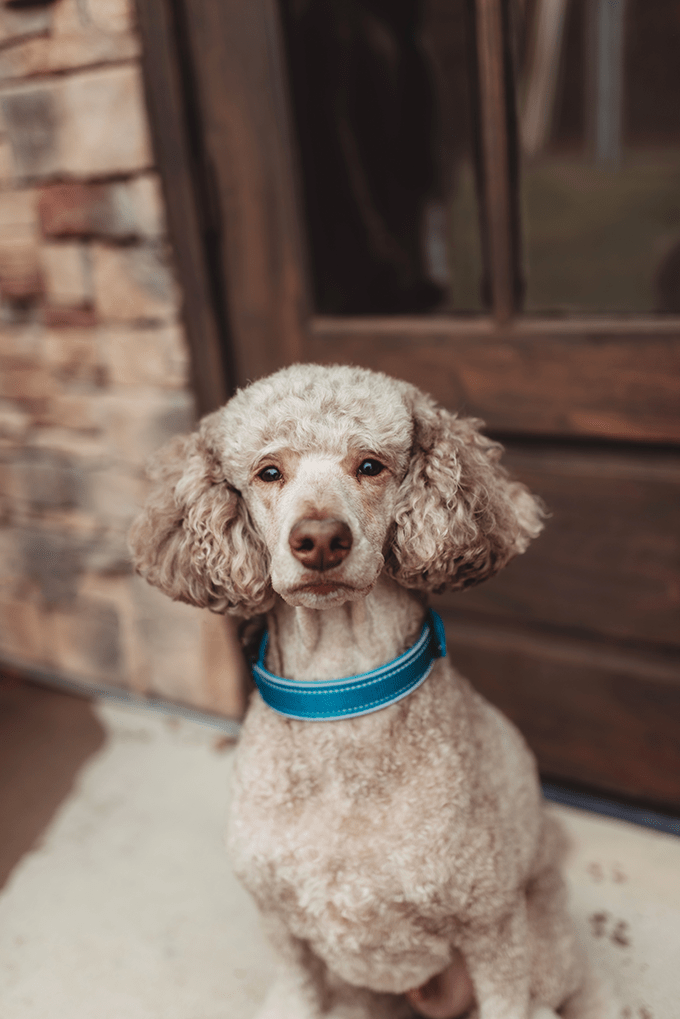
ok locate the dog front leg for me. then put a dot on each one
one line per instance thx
(298, 989)
(498, 960)
(291, 996)
(297, 994)
(306, 989)
(447, 995)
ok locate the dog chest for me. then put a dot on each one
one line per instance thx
(348, 880)
(373, 843)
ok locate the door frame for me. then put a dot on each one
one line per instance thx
(242, 187)
(221, 120)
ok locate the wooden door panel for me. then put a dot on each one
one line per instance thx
(608, 562)
(170, 109)
(590, 715)
(604, 379)
(237, 62)
(577, 640)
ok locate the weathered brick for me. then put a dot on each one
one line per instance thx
(135, 425)
(68, 317)
(32, 114)
(74, 209)
(111, 15)
(26, 382)
(9, 489)
(176, 415)
(79, 411)
(20, 276)
(67, 274)
(92, 103)
(14, 422)
(19, 213)
(109, 553)
(145, 357)
(10, 561)
(21, 346)
(47, 479)
(188, 654)
(25, 59)
(123, 210)
(7, 168)
(72, 355)
(133, 284)
(84, 641)
(22, 629)
(80, 35)
(171, 635)
(114, 494)
(70, 17)
(117, 590)
(138, 207)
(53, 561)
(6, 501)
(222, 676)
(75, 444)
(19, 22)
(64, 125)
(55, 53)
(74, 451)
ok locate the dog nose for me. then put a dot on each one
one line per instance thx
(320, 544)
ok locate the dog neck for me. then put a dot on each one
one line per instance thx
(348, 639)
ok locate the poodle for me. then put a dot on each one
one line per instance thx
(397, 848)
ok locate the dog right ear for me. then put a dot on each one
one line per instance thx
(194, 538)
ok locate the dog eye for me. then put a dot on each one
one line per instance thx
(371, 468)
(270, 474)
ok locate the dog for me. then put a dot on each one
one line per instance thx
(399, 853)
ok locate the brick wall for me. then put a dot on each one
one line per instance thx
(93, 362)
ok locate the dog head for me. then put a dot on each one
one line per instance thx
(309, 483)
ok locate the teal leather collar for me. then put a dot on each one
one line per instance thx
(355, 695)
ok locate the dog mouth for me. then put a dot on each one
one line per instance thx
(325, 593)
(321, 587)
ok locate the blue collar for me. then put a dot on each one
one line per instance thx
(355, 695)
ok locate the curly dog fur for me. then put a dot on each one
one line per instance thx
(386, 849)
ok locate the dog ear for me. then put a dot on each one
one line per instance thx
(459, 518)
(194, 538)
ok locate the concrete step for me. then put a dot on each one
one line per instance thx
(127, 908)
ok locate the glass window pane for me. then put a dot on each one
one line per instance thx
(599, 122)
(382, 107)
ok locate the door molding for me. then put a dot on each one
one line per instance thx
(609, 383)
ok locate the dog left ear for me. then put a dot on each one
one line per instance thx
(194, 538)
(459, 518)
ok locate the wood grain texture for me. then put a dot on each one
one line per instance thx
(166, 99)
(238, 59)
(590, 716)
(495, 153)
(608, 561)
(599, 378)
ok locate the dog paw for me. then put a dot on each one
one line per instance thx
(543, 1012)
(446, 995)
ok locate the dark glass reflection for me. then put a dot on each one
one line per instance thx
(381, 103)
(599, 114)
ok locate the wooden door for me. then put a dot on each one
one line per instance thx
(578, 641)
